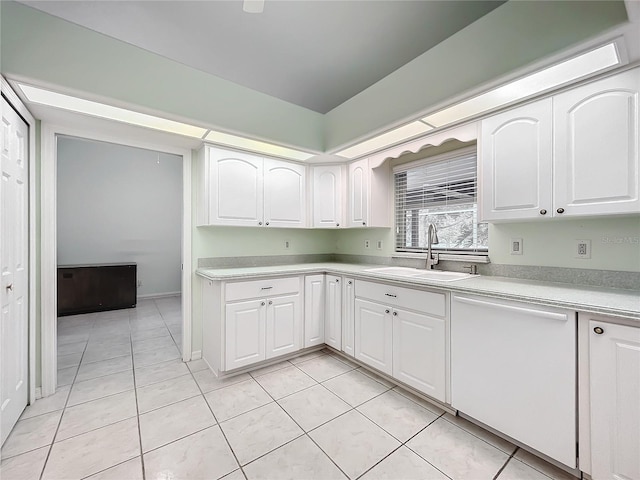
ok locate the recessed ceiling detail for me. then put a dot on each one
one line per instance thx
(315, 53)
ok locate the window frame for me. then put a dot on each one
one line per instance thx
(479, 253)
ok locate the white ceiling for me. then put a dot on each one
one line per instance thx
(316, 54)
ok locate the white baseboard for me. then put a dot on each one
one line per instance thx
(152, 296)
(196, 355)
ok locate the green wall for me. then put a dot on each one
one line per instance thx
(84, 62)
(615, 243)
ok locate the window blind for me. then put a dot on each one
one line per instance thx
(442, 191)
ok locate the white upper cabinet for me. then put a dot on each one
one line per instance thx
(369, 199)
(284, 194)
(358, 208)
(575, 153)
(241, 189)
(596, 147)
(516, 168)
(328, 195)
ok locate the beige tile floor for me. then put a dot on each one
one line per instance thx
(128, 408)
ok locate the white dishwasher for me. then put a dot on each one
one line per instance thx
(513, 368)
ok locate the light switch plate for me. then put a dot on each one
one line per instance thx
(516, 246)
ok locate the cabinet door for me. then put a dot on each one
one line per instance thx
(358, 204)
(515, 163)
(327, 196)
(244, 333)
(284, 325)
(235, 190)
(373, 335)
(348, 312)
(419, 352)
(615, 401)
(284, 194)
(314, 289)
(333, 313)
(596, 147)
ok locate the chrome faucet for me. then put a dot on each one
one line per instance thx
(432, 239)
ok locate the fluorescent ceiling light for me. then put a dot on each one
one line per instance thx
(95, 109)
(257, 146)
(386, 139)
(552, 77)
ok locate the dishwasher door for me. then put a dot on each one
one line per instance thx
(513, 368)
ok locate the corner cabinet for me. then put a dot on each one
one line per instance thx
(610, 398)
(348, 312)
(576, 153)
(328, 195)
(314, 310)
(242, 189)
(369, 200)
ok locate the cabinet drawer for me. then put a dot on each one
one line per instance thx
(261, 288)
(420, 300)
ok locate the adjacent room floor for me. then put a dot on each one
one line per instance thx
(128, 408)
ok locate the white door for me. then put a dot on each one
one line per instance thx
(333, 313)
(13, 257)
(284, 194)
(358, 205)
(235, 189)
(516, 163)
(327, 196)
(244, 333)
(615, 400)
(373, 335)
(419, 352)
(348, 312)
(596, 147)
(284, 325)
(313, 310)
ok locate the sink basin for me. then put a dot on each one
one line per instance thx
(395, 271)
(441, 276)
(437, 275)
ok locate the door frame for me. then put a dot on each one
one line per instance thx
(20, 107)
(48, 212)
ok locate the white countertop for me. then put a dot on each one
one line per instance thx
(606, 301)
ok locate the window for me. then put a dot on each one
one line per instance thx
(442, 191)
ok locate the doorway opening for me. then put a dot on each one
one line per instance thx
(119, 218)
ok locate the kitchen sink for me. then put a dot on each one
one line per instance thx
(395, 271)
(441, 275)
(437, 275)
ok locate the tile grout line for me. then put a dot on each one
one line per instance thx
(64, 409)
(304, 432)
(217, 423)
(501, 469)
(135, 390)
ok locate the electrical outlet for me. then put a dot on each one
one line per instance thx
(367, 244)
(287, 244)
(139, 283)
(583, 249)
(516, 246)
(379, 244)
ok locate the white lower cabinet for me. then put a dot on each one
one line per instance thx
(314, 293)
(373, 335)
(402, 332)
(614, 392)
(419, 352)
(348, 312)
(245, 333)
(333, 312)
(283, 325)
